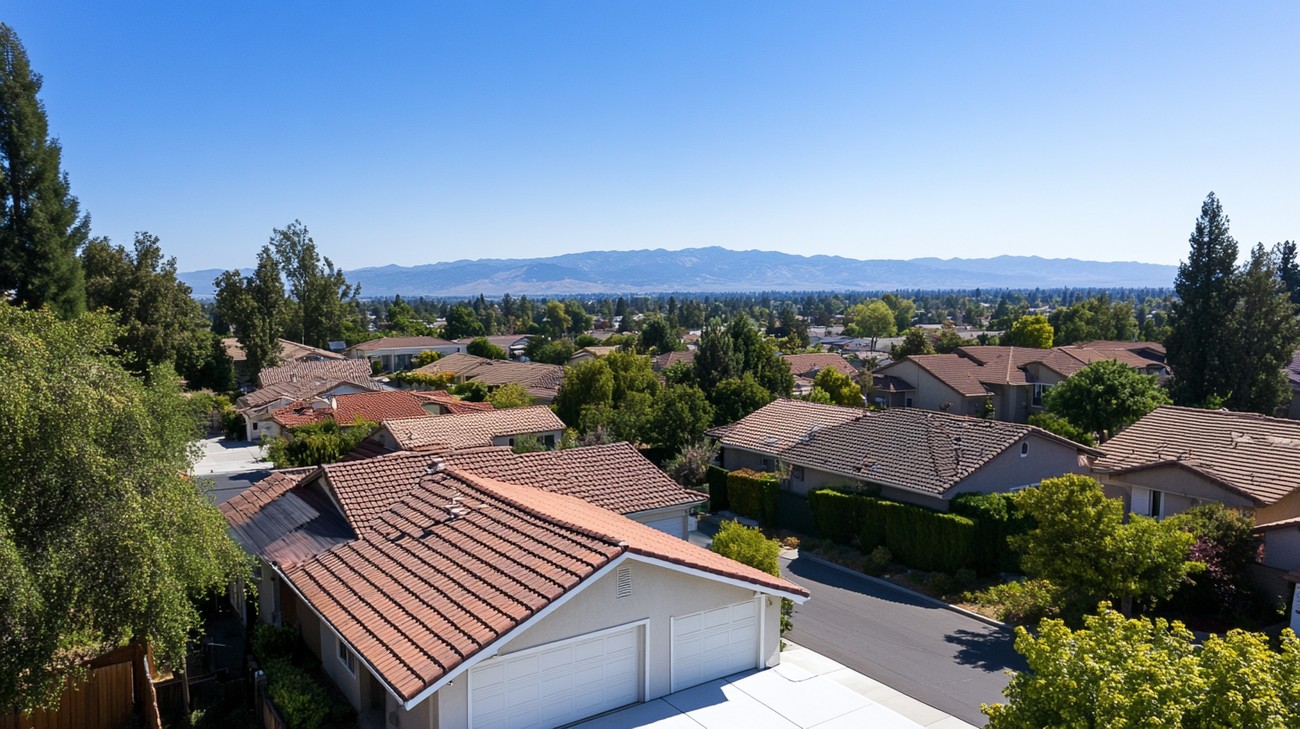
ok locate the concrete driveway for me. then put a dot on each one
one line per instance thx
(229, 456)
(807, 690)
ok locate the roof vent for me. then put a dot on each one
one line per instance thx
(624, 586)
(434, 467)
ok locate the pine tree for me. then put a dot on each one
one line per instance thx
(41, 228)
(1197, 350)
(1265, 334)
(1287, 269)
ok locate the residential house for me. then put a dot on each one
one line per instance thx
(466, 430)
(905, 454)
(586, 353)
(668, 359)
(300, 382)
(395, 353)
(290, 352)
(1293, 377)
(1011, 379)
(540, 381)
(513, 344)
(805, 367)
(458, 600)
(372, 407)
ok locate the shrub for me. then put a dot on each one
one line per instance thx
(717, 478)
(996, 519)
(753, 494)
(1024, 603)
(877, 562)
(312, 445)
(271, 643)
(302, 701)
(836, 514)
(747, 545)
(690, 467)
(232, 425)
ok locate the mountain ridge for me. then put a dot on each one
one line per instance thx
(721, 270)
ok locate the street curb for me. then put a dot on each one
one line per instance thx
(920, 596)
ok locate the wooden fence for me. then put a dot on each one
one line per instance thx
(117, 681)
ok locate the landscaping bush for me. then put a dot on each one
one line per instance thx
(747, 545)
(929, 540)
(996, 518)
(836, 513)
(717, 478)
(232, 425)
(294, 679)
(872, 522)
(1022, 603)
(753, 494)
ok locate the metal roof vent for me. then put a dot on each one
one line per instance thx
(623, 588)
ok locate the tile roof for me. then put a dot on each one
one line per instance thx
(1253, 455)
(668, 359)
(353, 370)
(299, 390)
(890, 383)
(1293, 371)
(471, 429)
(284, 522)
(378, 406)
(300, 413)
(382, 343)
(289, 351)
(540, 380)
(449, 402)
(955, 371)
(915, 449)
(462, 561)
(808, 365)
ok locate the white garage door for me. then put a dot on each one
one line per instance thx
(714, 643)
(674, 525)
(548, 686)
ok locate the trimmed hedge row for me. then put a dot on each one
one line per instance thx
(996, 519)
(717, 478)
(753, 494)
(917, 537)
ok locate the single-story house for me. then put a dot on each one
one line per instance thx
(668, 359)
(540, 381)
(910, 455)
(513, 344)
(465, 601)
(373, 407)
(805, 367)
(586, 353)
(466, 430)
(289, 352)
(1014, 379)
(298, 383)
(395, 353)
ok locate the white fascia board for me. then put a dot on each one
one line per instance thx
(800, 599)
(495, 646)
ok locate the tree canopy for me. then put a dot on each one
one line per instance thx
(840, 389)
(1031, 330)
(103, 538)
(481, 347)
(1105, 396)
(510, 395)
(1265, 333)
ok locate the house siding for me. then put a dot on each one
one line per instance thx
(1286, 507)
(1009, 470)
(931, 392)
(1179, 487)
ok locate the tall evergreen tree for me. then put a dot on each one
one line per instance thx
(1265, 334)
(716, 359)
(1288, 270)
(1197, 350)
(41, 227)
(255, 305)
(323, 300)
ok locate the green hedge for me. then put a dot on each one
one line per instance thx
(753, 494)
(717, 478)
(996, 519)
(838, 515)
(916, 536)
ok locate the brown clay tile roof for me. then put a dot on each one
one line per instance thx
(352, 370)
(284, 522)
(1254, 455)
(378, 406)
(382, 343)
(301, 413)
(299, 390)
(890, 383)
(668, 359)
(959, 373)
(540, 380)
(449, 402)
(289, 351)
(461, 561)
(468, 430)
(1293, 370)
(808, 365)
(780, 424)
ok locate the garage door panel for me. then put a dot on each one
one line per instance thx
(714, 643)
(557, 685)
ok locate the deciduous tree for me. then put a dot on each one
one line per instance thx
(462, 322)
(322, 300)
(256, 306)
(737, 397)
(481, 347)
(587, 384)
(873, 320)
(915, 341)
(510, 395)
(840, 389)
(1105, 396)
(1031, 330)
(680, 415)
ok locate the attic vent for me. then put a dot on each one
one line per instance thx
(624, 587)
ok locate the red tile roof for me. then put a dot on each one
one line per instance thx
(1253, 455)
(301, 413)
(354, 370)
(468, 430)
(452, 404)
(289, 351)
(460, 562)
(808, 365)
(668, 359)
(378, 406)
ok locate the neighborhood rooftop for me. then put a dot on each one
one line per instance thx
(467, 430)
(351, 370)
(1254, 455)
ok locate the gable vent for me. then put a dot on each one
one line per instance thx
(624, 587)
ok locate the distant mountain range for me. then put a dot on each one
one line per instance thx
(721, 270)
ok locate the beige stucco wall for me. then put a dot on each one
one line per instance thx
(1009, 470)
(508, 440)
(931, 393)
(1179, 486)
(1285, 508)
(677, 514)
(658, 594)
(734, 459)
(1282, 548)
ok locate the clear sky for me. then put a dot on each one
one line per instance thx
(429, 131)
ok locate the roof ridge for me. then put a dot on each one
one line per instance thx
(485, 483)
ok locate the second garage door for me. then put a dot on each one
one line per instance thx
(714, 643)
(552, 685)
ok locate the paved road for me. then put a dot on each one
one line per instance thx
(937, 656)
(224, 486)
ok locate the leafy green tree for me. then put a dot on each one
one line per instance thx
(557, 321)
(41, 227)
(471, 391)
(839, 388)
(690, 466)
(1053, 423)
(256, 306)
(658, 335)
(1197, 349)
(1288, 270)
(758, 357)
(1265, 334)
(1094, 318)
(103, 538)
(632, 373)
(1116, 672)
(915, 341)
(904, 311)
(747, 545)
(481, 347)
(550, 351)
(628, 421)
(510, 395)
(160, 322)
(1227, 544)
(317, 443)
(400, 320)
(680, 373)
(463, 322)
(589, 383)
(322, 301)
(427, 357)
(873, 320)
(735, 398)
(1031, 330)
(680, 415)
(1082, 545)
(948, 340)
(1105, 396)
(579, 320)
(716, 359)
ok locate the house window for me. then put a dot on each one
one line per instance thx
(550, 441)
(512, 442)
(767, 464)
(797, 473)
(907, 402)
(1147, 502)
(1024, 448)
(348, 660)
(1039, 391)
(254, 426)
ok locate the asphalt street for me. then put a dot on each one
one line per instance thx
(224, 486)
(937, 656)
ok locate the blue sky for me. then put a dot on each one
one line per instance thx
(421, 132)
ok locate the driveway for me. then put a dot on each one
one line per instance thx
(229, 456)
(945, 659)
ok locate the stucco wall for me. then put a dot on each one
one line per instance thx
(678, 515)
(1286, 508)
(1175, 482)
(508, 440)
(734, 459)
(931, 393)
(658, 594)
(1009, 470)
(1282, 548)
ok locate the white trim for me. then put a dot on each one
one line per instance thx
(643, 623)
(762, 630)
(492, 648)
(757, 600)
(799, 599)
